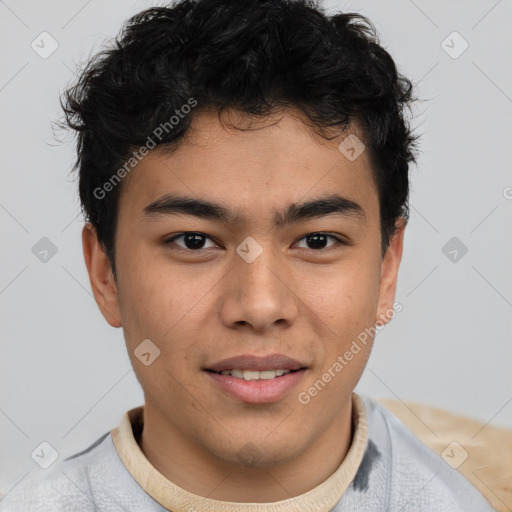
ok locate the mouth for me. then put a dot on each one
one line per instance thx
(256, 380)
(247, 363)
(250, 375)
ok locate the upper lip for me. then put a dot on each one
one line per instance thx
(249, 362)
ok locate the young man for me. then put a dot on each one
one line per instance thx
(244, 173)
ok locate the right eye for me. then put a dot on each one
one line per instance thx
(192, 240)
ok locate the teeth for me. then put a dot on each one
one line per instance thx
(254, 374)
(267, 374)
(251, 374)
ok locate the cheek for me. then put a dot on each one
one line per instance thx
(153, 296)
(346, 298)
(168, 308)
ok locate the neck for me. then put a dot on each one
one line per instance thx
(189, 466)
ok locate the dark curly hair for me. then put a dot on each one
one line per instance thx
(256, 56)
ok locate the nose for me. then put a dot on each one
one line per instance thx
(259, 294)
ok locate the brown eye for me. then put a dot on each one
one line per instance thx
(193, 241)
(318, 241)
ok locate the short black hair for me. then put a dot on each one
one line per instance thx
(255, 56)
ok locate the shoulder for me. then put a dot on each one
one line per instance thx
(416, 477)
(70, 484)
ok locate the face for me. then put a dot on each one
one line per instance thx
(257, 276)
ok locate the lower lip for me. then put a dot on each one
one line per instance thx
(257, 391)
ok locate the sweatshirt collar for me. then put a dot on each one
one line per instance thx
(321, 498)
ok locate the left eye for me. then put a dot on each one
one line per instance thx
(319, 240)
(195, 241)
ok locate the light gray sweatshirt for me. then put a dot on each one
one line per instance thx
(386, 469)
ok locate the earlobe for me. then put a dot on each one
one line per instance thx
(101, 277)
(389, 274)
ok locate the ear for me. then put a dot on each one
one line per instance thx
(389, 274)
(101, 277)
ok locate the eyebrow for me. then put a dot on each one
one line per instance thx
(171, 204)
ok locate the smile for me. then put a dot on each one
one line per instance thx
(255, 374)
(256, 387)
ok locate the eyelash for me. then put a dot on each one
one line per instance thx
(169, 241)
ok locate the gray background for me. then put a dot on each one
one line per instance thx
(65, 376)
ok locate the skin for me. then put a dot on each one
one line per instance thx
(202, 307)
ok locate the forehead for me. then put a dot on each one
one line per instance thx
(256, 168)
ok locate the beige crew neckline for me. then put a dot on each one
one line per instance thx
(321, 498)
